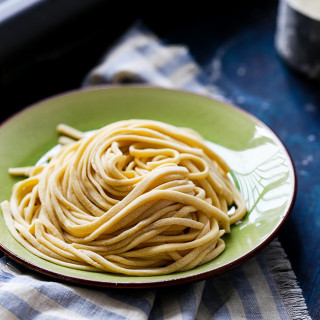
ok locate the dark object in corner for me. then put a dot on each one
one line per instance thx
(297, 40)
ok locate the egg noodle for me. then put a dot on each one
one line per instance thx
(137, 197)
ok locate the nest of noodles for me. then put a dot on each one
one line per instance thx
(137, 197)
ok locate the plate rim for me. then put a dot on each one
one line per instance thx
(172, 281)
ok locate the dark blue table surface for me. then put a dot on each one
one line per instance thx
(236, 48)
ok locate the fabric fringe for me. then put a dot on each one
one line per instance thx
(284, 277)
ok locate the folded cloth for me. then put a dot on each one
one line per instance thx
(264, 287)
(139, 57)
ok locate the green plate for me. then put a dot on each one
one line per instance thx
(261, 166)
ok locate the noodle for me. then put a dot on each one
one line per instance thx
(137, 197)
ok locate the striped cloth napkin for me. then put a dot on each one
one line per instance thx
(264, 287)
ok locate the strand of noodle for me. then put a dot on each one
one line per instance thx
(211, 252)
(160, 210)
(192, 139)
(29, 242)
(51, 243)
(65, 140)
(29, 210)
(141, 237)
(142, 228)
(179, 238)
(149, 251)
(214, 253)
(116, 213)
(241, 208)
(23, 171)
(150, 196)
(125, 263)
(69, 131)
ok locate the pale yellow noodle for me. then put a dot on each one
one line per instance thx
(137, 197)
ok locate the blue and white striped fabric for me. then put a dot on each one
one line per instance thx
(139, 57)
(262, 288)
